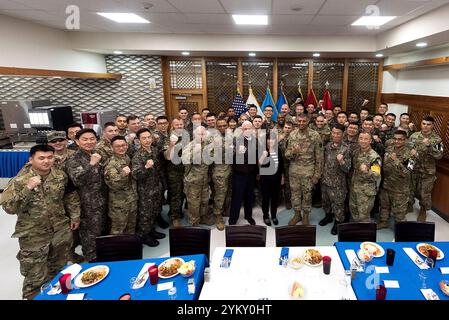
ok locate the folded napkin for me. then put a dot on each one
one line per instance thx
(416, 258)
(352, 258)
(75, 296)
(284, 254)
(142, 277)
(429, 294)
(73, 269)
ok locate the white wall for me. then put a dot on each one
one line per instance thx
(27, 45)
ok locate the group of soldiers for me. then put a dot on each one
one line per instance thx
(76, 188)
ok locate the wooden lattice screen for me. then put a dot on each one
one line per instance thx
(190, 106)
(291, 73)
(185, 74)
(362, 84)
(221, 84)
(331, 72)
(260, 74)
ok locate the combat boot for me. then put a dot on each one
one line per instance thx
(305, 220)
(422, 215)
(334, 229)
(296, 218)
(327, 219)
(149, 241)
(219, 222)
(382, 225)
(161, 222)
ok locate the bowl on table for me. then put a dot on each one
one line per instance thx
(187, 269)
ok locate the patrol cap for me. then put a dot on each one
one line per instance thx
(53, 135)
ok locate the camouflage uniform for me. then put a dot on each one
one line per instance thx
(122, 196)
(104, 149)
(287, 191)
(364, 184)
(424, 173)
(324, 132)
(304, 165)
(93, 197)
(396, 183)
(220, 176)
(175, 179)
(196, 182)
(334, 181)
(42, 227)
(149, 188)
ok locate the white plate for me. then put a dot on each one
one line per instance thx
(440, 254)
(167, 262)
(367, 245)
(80, 284)
(312, 265)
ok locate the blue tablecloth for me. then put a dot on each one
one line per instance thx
(403, 270)
(11, 161)
(117, 282)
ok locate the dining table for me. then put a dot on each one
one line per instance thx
(121, 278)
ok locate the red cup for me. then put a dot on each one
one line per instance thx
(381, 292)
(65, 282)
(327, 264)
(153, 272)
(433, 254)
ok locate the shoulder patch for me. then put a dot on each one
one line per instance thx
(376, 165)
(438, 147)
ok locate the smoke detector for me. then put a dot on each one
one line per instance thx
(147, 5)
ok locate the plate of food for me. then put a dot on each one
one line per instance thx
(375, 250)
(444, 286)
(313, 257)
(169, 268)
(423, 248)
(296, 262)
(91, 276)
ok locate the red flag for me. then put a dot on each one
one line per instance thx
(327, 102)
(311, 99)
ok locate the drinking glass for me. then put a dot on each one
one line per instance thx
(46, 287)
(172, 293)
(423, 278)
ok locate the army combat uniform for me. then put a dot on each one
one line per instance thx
(104, 149)
(149, 189)
(395, 188)
(122, 196)
(93, 195)
(196, 182)
(304, 165)
(42, 227)
(334, 181)
(424, 173)
(364, 185)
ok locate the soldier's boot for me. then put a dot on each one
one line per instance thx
(208, 220)
(149, 241)
(296, 218)
(422, 215)
(176, 223)
(382, 225)
(327, 219)
(157, 235)
(334, 227)
(288, 204)
(305, 219)
(161, 222)
(219, 222)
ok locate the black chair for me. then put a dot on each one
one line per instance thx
(245, 236)
(118, 247)
(189, 240)
(296, 236)
(357, 231)
(411, 231)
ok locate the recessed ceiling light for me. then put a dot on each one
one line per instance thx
(123, 17)
(316, 54)
(252, 54)
(421, 44)
(118, 52)
(379, 55)
(250, 19)
(185, 53)
(372, 20)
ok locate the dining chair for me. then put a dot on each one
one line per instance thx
(189, 240)
(296, 236)
(246, 236)
(118, 247)
(357, 231)
(411, 231)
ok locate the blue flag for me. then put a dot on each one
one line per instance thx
(238, 104)
(268, 101)
(281, 100)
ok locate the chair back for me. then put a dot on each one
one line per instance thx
(296, 236)
(246, 236)
(118, 247)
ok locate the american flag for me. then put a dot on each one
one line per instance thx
(239, 105)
